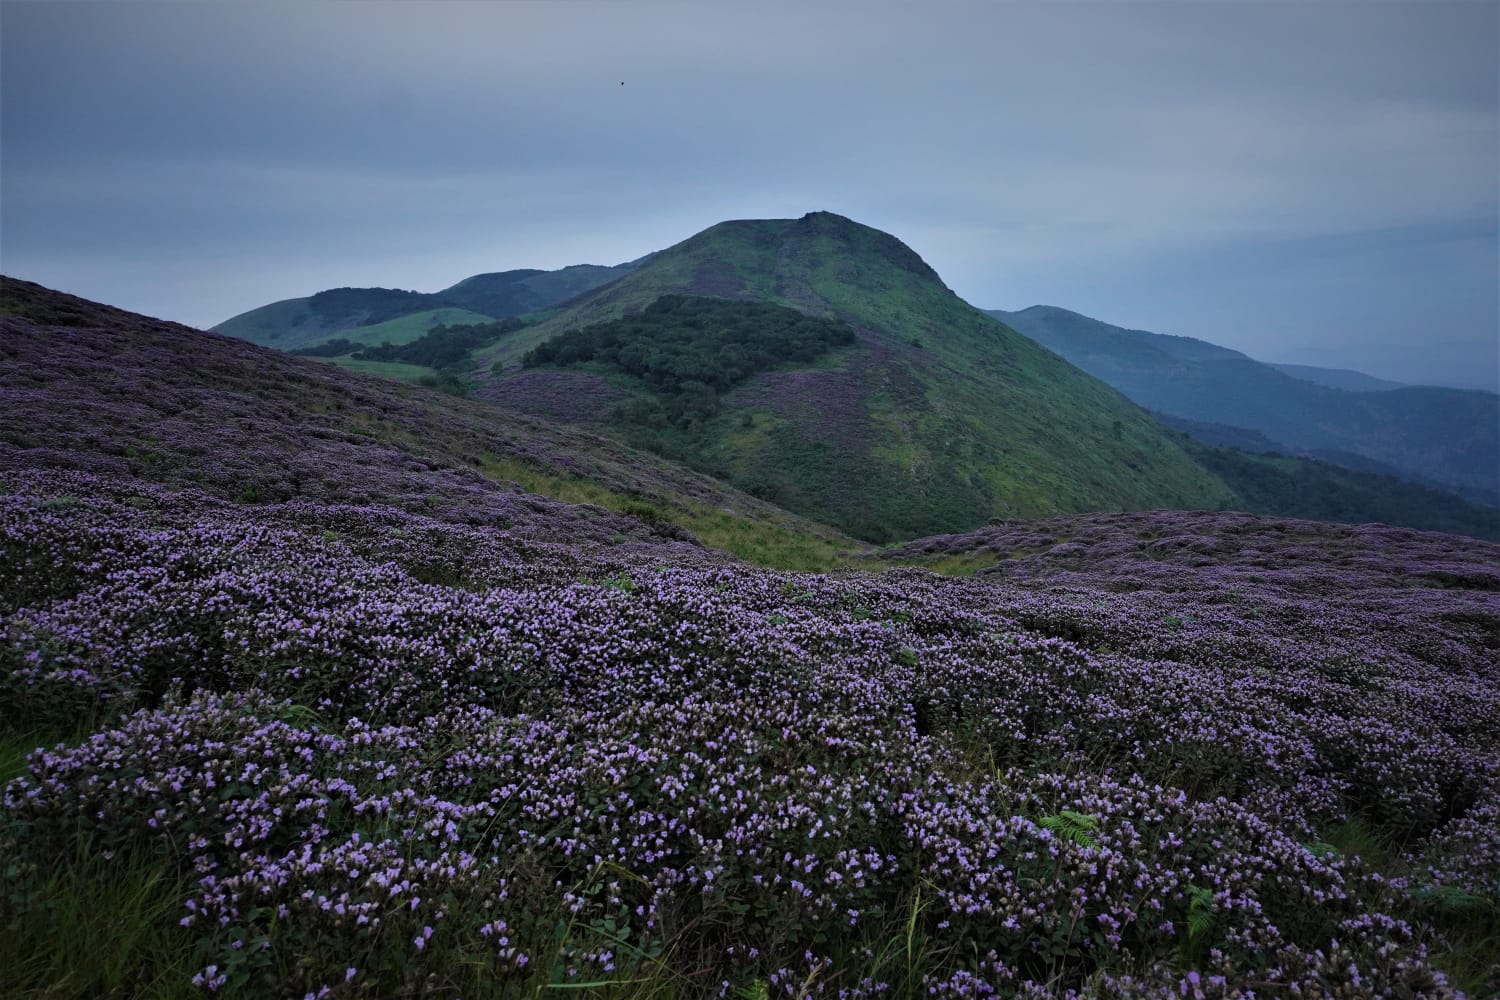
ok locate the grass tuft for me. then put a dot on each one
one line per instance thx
(94, 927)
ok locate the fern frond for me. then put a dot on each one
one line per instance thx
(1200, 918)
(1073, 826)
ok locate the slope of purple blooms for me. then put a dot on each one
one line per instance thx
(769, 776)
(409, 752)
(88, 387)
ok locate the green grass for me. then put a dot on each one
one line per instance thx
(1356, 838)
(769, 543)
(94, 927)
(1470, 945)
(1465, 939)
(414, 326)
(397, 370)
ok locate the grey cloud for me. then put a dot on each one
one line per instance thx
(1106, 157)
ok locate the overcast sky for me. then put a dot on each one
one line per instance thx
(1303, 181)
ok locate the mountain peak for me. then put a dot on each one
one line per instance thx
(829, 221)
(816, 241)
(860, 237)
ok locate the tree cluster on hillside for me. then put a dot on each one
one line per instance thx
(687, 350)
(379, 304)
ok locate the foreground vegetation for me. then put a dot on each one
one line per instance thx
(367, 752)
(307, 690)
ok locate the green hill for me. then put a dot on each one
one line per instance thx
(1450, 437)
(286, 324)
(935, 419)
(374, 315)
(514, 293)
(293, 323)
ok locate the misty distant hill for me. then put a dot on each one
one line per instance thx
(1339, 378)
(1426, 433)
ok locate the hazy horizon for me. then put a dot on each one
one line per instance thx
(1310, 184)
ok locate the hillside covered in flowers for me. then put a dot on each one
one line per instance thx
(300, 695)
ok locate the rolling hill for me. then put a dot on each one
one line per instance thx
(1440, 436)
(936, 418)
(371, 315)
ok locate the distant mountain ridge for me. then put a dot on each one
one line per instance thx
(351, 312)
(1339, 378)
(1430, 434)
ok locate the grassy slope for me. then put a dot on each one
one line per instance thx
(397, 370)
(287, 324)
(293, 323)
(942, 418)
(405, 329)
(1451, 436)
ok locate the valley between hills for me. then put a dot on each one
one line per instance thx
(753, 619)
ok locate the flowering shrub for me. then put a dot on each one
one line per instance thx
(573, 765)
